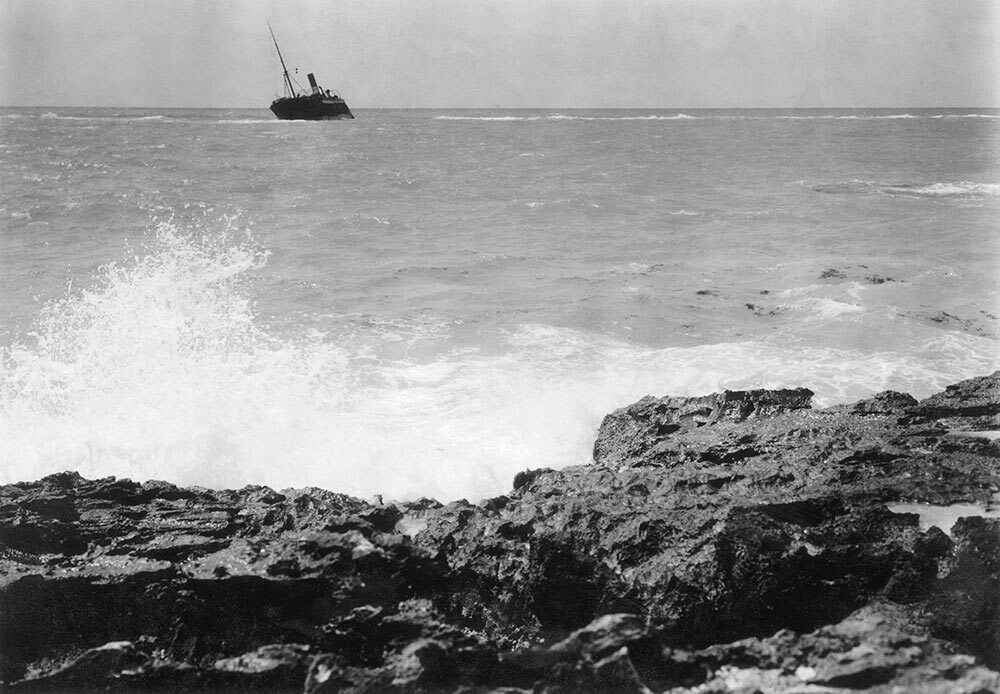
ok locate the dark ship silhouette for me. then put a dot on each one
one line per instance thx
(315, 104)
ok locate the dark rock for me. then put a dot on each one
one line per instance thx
(966, 604)
(205, 569)
(971, 404)
(616, 674)
(881, 648)
(526, 477)
(423, 662)
(886, 402)
(273, 668)
(88, 670)
(737, 541)
(603, 637)
(383, 518)
(626, 433)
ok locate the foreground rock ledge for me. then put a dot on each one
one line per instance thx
(736, 542)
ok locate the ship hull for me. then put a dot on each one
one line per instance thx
(310, 108)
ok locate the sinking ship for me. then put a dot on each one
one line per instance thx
(316, 104)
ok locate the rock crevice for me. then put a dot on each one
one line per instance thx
(740, 541)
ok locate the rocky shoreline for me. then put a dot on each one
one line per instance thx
(736, 542)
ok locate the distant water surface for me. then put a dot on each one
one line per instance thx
(426, 302)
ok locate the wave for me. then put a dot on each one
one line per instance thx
(565, 117)
(824, 308)
(962, 188)
(892, 116)
(718, 116)
(491, 118)
(866, 117)
(955, 189)
(679, 116)
(106, 119)
(163, 370)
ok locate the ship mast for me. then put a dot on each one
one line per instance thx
(288, 81)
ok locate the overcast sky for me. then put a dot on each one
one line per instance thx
(508, 53)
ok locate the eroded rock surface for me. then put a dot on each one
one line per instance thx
(740, 541)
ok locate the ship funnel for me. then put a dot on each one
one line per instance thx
(312, 83)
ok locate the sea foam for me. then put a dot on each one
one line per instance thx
(162, 369)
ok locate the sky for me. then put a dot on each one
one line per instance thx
(504, 53)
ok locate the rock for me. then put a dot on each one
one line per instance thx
(972, 404)
(275, 666)
(327, 676)
(878, 279)
(526, 477)
(738, 526)
(95, 665)
(604, 636)
(627, 431)
(739, 541)
(965, 606)
(880, 648)
(886, 402)
(424, 662)
(208, 573)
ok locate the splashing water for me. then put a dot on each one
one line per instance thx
(162, 370)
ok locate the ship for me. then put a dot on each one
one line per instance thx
(315, 104)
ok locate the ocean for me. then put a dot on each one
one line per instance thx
(423, 303)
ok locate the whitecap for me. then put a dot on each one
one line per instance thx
(161, 369)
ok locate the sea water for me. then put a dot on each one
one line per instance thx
(427, 302)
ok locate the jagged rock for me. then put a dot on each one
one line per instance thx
(886, 402)
(209, 573)
(970, 404)
(735, 528)
(95, 665)
(627, 431)
(275, 666)
(124, 666)
(881, 648)
(966, 604)
(733, 542)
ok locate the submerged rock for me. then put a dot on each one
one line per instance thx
(739, 541)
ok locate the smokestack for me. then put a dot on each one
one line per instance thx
(312, 83)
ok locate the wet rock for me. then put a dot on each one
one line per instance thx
(209, 573)
(878, 279)
(886, 402)
(738, 541)
(880, 648)
(424, 662)
(88, 670)
(717, 522)
(628, 432)
(972, 404)
(965, 606)
(277, 666)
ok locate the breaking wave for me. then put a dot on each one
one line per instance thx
(106, 119)
(957, 189)
(723, 116)
(948, 189)
(570, 117)
(163, 370)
